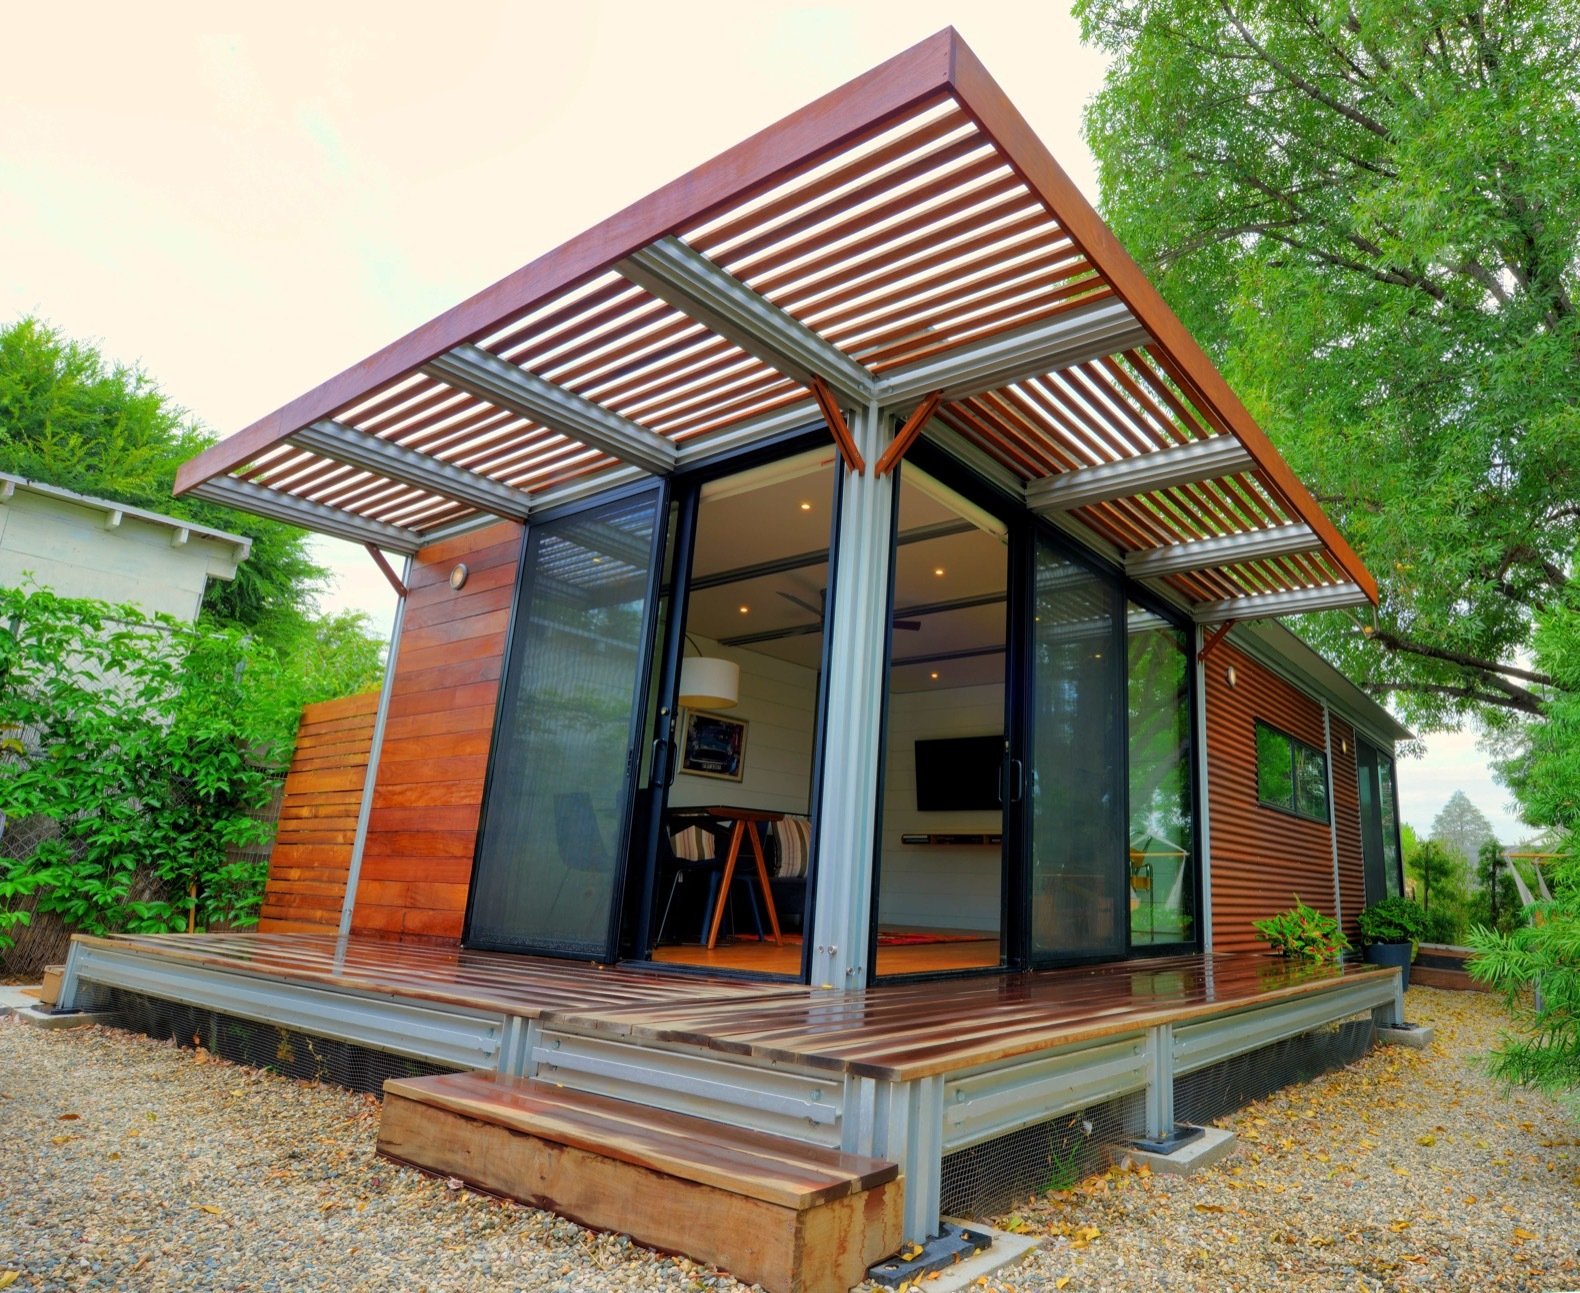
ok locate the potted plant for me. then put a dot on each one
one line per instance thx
(1304, 932)
(1390, 929)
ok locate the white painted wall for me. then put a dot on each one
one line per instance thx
(69, 547)
(935, 885)
(778, 701)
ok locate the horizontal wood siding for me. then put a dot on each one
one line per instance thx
(428, 795)
(1261, 857)
(1347, 821)
(318, 817)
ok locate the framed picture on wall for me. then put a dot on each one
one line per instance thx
(714, 746)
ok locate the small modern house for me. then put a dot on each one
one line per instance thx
(837, 715)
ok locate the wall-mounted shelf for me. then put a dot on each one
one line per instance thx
(954, 839)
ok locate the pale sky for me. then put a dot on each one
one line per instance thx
(248, 199)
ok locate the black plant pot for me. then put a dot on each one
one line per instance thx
(1399, 954)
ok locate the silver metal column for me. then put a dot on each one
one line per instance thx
(846, 829)
(365, 809)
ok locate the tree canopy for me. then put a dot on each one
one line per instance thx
(71, 418)
(1370, 215)
(1462, 829)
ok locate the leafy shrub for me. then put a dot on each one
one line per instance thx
(145, 744)
(1393, 920)
(1304, 932)
(1443, 925)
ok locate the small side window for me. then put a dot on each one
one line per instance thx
(1290, 775)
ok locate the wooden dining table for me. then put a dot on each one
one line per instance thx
(745, 824)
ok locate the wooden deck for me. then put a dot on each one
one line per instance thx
(892, 1032)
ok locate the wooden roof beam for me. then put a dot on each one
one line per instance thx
(1144, 473)
(500, 382)
(1073, 336)
(1223, 550)
(1300, 601)
(281, 506)
(423, 471)
(694, 285)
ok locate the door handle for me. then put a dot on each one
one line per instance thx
(671, 759)
(658, 771)
(1017, 780)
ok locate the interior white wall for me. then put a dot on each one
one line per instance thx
(778, 700)
(937, 885)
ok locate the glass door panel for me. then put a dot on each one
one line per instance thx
(1079, 833)
(556, 817)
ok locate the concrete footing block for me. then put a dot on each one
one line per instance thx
(1416, 1036)
(1212, 1146)
(39, 1018)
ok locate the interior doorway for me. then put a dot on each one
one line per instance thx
(941, 856)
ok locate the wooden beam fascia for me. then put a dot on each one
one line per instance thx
(837, 426)
(1144, 473)
(1223, 550)
(694, 285)
(1212, 639)
(871, 103)
(982, 98)
(388, 571)
(396, 462)
(244, 496)
(1297, 601)
(488, 377)
(901, 444)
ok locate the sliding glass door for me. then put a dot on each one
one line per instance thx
(556, 812)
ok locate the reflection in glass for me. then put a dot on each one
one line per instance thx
(555, 819)
(1161, 874)
(1389, 805)
(1079, 832)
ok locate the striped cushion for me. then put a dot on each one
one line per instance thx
(794, 837)
(692, 844)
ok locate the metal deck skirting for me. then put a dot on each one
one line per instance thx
(437, 1034)
(911, 1121)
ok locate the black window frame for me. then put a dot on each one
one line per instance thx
(1294, 744)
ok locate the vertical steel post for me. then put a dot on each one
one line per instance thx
(847, 828)
(375, 748)
(1203, 789)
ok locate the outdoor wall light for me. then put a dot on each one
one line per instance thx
(1230, 674)
(709, 682)
(458, 576)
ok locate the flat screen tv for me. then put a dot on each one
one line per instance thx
(958, 774)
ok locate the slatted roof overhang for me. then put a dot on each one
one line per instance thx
(904, 239)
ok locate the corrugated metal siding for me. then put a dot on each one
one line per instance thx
(1347, 821)
(417, 866)
(1261, 857)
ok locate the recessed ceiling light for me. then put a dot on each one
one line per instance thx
(939, 571)
(744, 609)
(806, 507)
(934, 675)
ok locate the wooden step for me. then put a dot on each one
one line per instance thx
(793, 1218)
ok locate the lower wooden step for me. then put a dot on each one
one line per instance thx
(793, 1218)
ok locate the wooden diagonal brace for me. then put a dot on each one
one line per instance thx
(900, 445)
(837, 426)
(1213, 638)
(389, 571)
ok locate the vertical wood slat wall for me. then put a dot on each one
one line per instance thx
(428, 796)
(318, 817)
(1261, 857)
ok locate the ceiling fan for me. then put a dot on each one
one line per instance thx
(910, 626)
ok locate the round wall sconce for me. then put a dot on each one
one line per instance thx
(1231, 676)
(458, 576)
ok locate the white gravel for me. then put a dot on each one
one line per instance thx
(130, 1164)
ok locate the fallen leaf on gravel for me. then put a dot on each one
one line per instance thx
(210, 1208)
(1397, 1226)
(8, 1278)
(1521, 1234)
(60, 1140)
(1211, 1207)
(1428, 1139)
(68, 1117)
(1061, 1281)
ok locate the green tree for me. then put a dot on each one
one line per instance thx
(1370, 214)
(1462, 829)
(1440, 889)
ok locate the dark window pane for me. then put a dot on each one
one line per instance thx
(1275, 769)
(1311, 782)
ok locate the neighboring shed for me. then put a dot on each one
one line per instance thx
(81, 546)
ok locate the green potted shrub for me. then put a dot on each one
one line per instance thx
(1304, 932)
(1390, 929)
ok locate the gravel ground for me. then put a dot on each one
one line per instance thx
(130, 1164)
